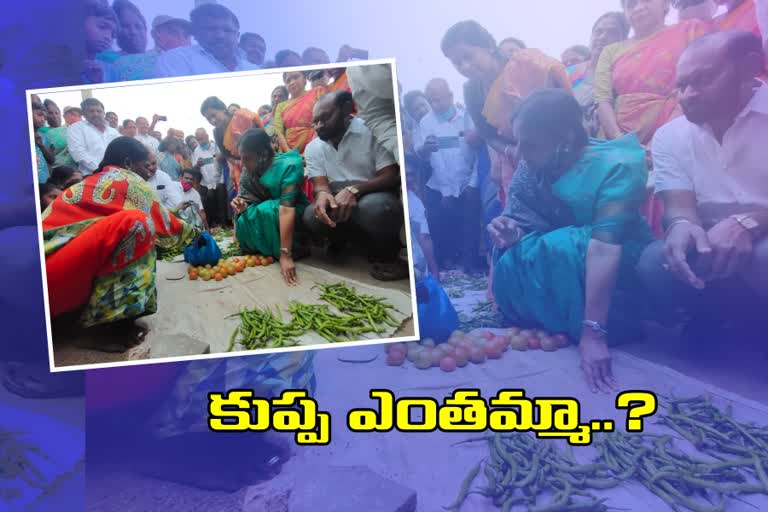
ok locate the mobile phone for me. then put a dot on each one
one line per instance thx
(448, 142)
(162, 118)
(359, 54)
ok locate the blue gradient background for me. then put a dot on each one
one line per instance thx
(42, 46)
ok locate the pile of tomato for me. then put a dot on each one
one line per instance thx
(462, 349)
(228, 267)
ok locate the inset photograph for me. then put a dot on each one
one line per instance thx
(246, 212)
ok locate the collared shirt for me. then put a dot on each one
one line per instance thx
(728, 178)
(374, 92)
(358, 157)
(212, 175)
(87, 144)
(149, 141)
(192, 196)
(169, 192)
(194, 60)
(453, 168)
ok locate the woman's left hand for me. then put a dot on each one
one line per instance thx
(288, 270)
(596, 363)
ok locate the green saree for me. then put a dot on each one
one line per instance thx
(540, 281)
(258, 227)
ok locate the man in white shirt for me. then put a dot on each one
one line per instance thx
(373, 90)
(88, 140)
(191, 210)
(217, 30)
(205, 158)
(356, 185)
(168, 192)
(143, 128)
(452, 195)
(710, 169)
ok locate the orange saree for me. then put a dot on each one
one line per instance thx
(743, 17)
(643, 78)
(526, 71)
(242, 121)
(293, 119)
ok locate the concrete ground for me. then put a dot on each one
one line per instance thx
(741, 371)
(352, 266)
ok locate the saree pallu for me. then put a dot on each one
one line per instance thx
(643, 79)
(99, 240)
(646, 98)
(293, 118)
(525, 72)
(242, 121)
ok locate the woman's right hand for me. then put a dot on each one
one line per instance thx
(596, 363)
(288, 270)
(239, 205)
(504, 232)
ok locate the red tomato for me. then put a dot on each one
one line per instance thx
(395, 358)
(461, 356)
(218, 277)
(437, 356)
(562, 340)
(240, 266)
(549, 344)
(231, 270)
(519, 343)
(235, 260)
(534, 343)
(448, 364)
(493, 350)
(477, 355)
(270, 260)
(193, 275)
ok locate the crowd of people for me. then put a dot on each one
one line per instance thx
(579, 220)
(304, 171)
(220, 45)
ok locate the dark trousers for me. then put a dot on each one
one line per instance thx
(378, 216)
(215, 204)
(721, 298)
(454, 224)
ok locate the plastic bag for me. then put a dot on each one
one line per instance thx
(437, 316)
(202, 251)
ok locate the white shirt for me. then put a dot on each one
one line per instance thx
(212, 175)
(152, 143)
(168, 192)
(728, 179)
(453, 169)
(374, 92)
(194, 60)
(192, 196)
(87, 144)
(358, 157)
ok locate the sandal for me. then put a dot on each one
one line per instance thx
(36, 381)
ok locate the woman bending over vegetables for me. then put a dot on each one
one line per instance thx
(571, 235)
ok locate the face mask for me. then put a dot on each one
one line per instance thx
(186, 186)
(447, 115)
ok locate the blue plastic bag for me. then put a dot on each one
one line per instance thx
(437, 316)
(202, 251)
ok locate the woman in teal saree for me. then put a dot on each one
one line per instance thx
(572, 233)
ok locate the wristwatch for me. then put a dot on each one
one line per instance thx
(286, 251)
(353, 189)
(747, 222)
